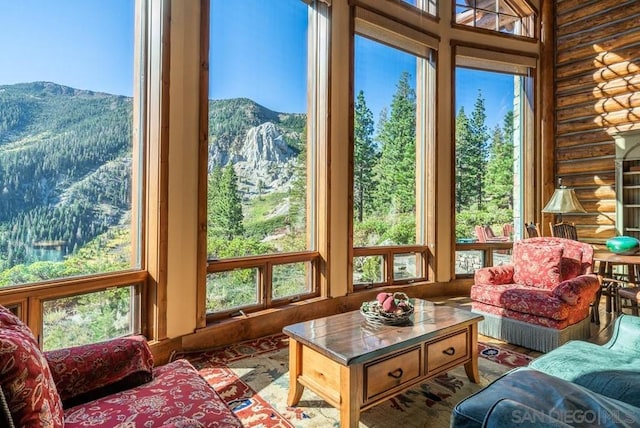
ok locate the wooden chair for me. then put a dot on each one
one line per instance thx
(564, 230)
(533, 230)
(486, 234)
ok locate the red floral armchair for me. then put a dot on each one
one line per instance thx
(543, 298)
(108, 384)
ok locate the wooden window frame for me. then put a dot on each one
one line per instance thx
(533, 20)
(398, 32)
(317, 131)
(28, 298)
(518, 64)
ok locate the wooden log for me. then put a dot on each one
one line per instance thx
(629, 116)
(585, 124)
(606, 120)
(580, 18)
(606, 179)
(568, 52)
(601, 106)
(593, 165)
(599, 232)
(595, 193)
(607, 81)
(618, 86)
(603, 34)
(584, 138)
(628, 56)
(586, 152)
(601, 206)
(600, 219)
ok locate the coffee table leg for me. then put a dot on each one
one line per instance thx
(350, 381)
(295, 370)
(471, 367)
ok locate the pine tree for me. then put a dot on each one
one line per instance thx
(297, 217)
(499, 175)
(464, 163)
(364, 158)
(395, 170)
(479, 147)
(225, 213)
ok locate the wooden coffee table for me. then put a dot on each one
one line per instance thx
(353, 364)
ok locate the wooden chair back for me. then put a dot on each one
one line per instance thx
(564, 230)
(533, 230)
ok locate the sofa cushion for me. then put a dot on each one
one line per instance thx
(521, 298)
(608, 372)
(25, 377)
(177, 396)
(555, 397)
(537, 265)
(87, 372)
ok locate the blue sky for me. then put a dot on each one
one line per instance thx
(88, 44)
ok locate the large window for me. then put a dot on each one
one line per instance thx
(492, 110)
(515, 17)
(261, 152)
(69, 156)
(391, 119)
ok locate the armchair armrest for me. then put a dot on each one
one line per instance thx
(574, 291)
(626, 335)
(508, 412)
(494, 275)
(84, 373)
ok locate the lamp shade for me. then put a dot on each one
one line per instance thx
(563, 201)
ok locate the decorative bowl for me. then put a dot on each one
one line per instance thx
(374, 314)
(624, 245)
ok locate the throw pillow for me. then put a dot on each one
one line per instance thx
(87, 372)
(570, 268)
(537, 265)
(25, 377)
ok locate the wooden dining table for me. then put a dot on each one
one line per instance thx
(610, 282)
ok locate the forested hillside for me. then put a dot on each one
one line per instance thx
(64, 167)
(65, 170)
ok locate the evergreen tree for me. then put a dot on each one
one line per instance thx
(226, 207)
(364, 158)
(499, 175)
(479, 146)
(298, 195)
(395, 170)
(464, 161)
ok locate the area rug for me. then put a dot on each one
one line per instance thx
(252, 377)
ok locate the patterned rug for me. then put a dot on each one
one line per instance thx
(253, 378)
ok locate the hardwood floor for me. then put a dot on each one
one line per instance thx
(599, 333)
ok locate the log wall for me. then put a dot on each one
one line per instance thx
(597, 87)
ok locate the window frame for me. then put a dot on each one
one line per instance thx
(489, 58)
(398, 33)
(317, 131)
(534, 20)
(28, 298)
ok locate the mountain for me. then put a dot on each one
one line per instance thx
(65, 161)
(262, 144)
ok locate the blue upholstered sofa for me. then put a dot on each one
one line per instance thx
(577, 384)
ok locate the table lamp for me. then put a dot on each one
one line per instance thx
(562, 201)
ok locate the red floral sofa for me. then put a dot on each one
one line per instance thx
(541, 300)
(108, 384)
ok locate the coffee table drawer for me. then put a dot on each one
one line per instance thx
(447, 351)
(384, 375)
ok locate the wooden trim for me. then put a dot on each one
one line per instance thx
(259, 261)
(203, 161)
(71, 286)
(390, 32)
(547, 110)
